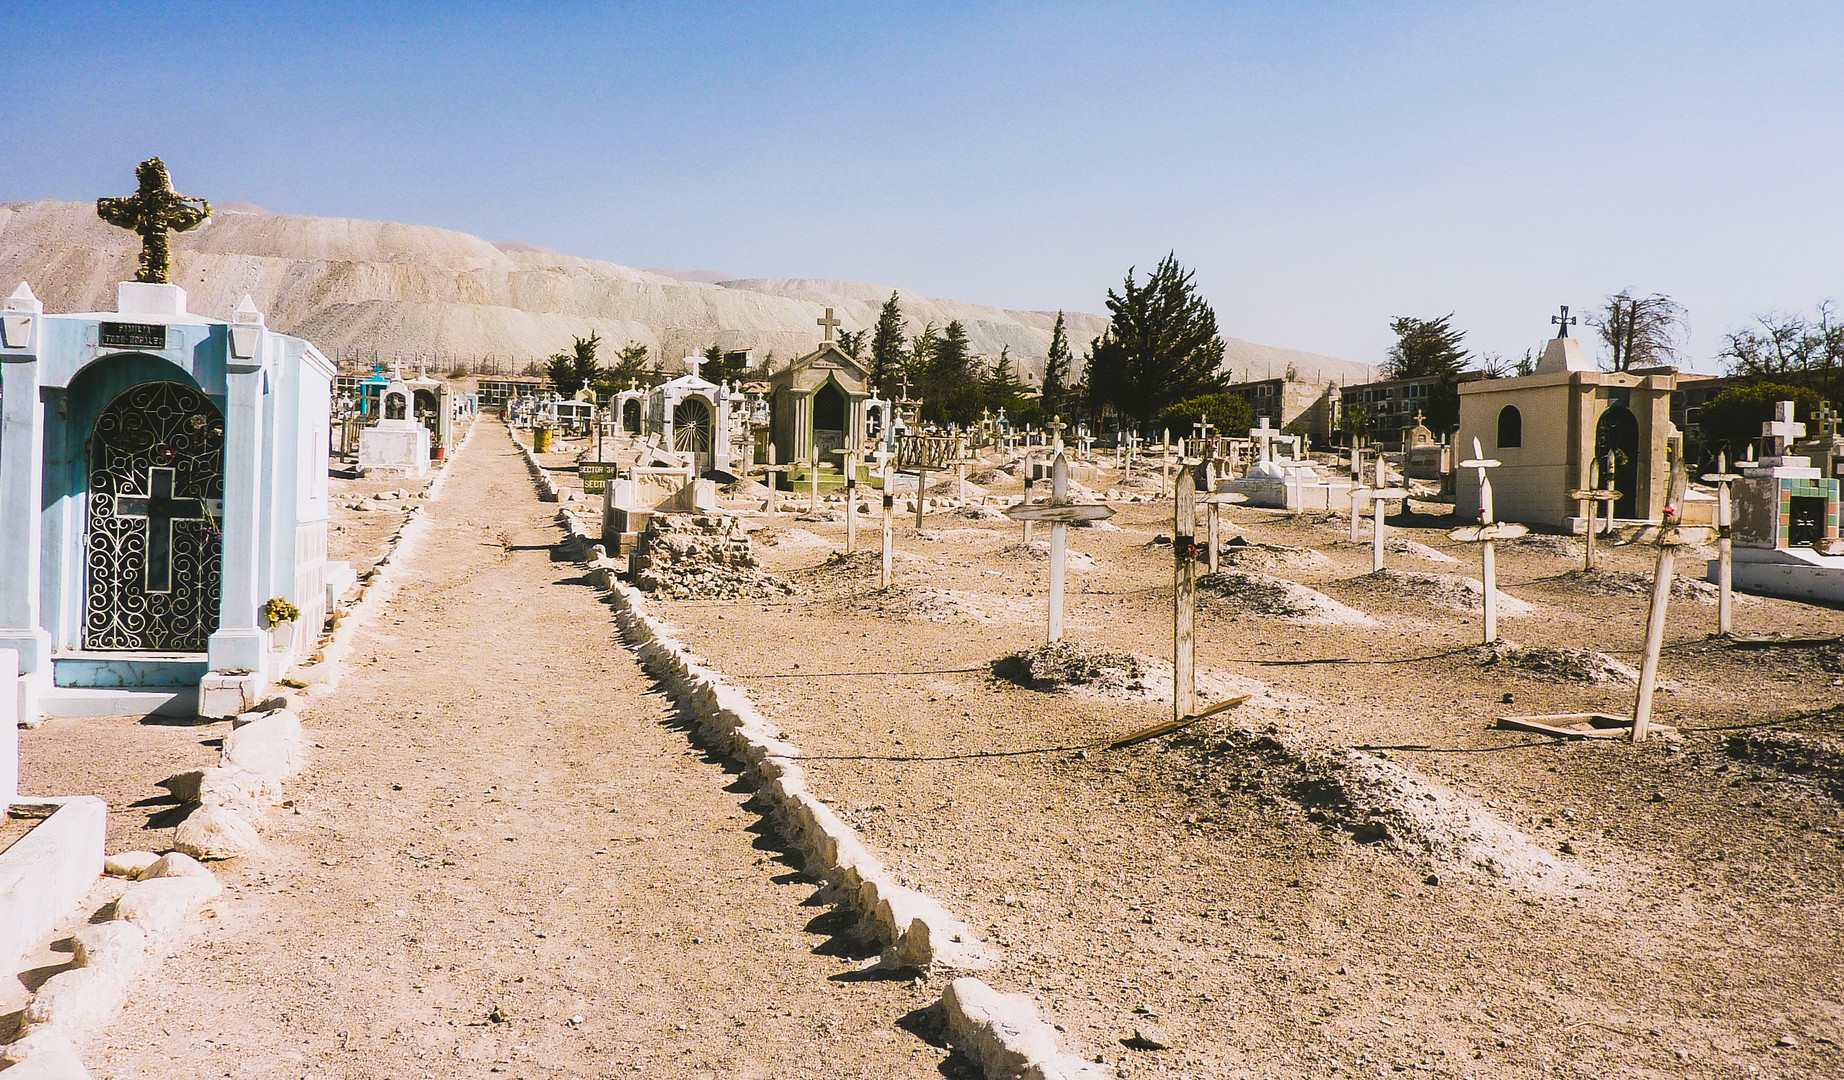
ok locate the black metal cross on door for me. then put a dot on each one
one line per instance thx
(160, 510)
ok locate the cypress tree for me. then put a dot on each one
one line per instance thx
(1056, 368)
(887, 345)
(1161, 347)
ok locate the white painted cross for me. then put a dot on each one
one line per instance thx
(1725, 544)
(1782, 429)
(1379, 495)
(693, 364)
(1266, 437)
(1059, 512)
(1484, 534)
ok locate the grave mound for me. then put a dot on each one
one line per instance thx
(1562, 547)
(700, 557)
(1067, 664)
(1561, 665)
(1624, 583)
(1449, 591)
(1396, 544)
(1263, 594)
(1820, 757)
(1039, 551)
(1375, 801)
(1269, 557)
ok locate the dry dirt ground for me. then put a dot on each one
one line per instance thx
(503, 819)
(1690, 928)
(507, 858)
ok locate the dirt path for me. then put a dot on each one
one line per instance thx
(509, 860)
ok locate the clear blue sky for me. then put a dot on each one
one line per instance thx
(1322, 166)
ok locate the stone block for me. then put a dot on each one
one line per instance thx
(45, 1054)
(46, 873)
(176, 864)
(79, 1000)
(117, 945)
(129, 864)
(269, 746)
(224, 694)
(160, 906)
(216, 832)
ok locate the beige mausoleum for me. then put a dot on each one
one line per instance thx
(1549, 428)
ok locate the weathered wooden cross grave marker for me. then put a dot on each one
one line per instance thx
(1484, 534)
(1029, 465)
(1379, 495)
(768, 476)
(1059, 512)
(1590, 498)
(889, 519)
(1725, 543)
(1184, 601)
(1670, 536)
(1213, 503)
(851, 501)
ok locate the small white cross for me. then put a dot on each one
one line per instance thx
(1782, 429)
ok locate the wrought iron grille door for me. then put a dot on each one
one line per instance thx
(153, 554)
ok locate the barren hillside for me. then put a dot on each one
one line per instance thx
(362, 285)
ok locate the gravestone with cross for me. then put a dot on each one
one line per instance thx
(1265, 437)
(1059, 512)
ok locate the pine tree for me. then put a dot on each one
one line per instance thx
(1003, 390)
(577, 368)
(887, 346)
(1430, 349)
(1161, 347)
(714, 365)
(950, 385)
(1056, 368)
(920, 356)
(851, 342)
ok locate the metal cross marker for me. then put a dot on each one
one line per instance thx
(160, 510)
(1725, 544)
(1059, 512)
(1565, 320)
(1484, 534)
(829, 324)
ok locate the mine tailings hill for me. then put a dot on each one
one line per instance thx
(362, 285)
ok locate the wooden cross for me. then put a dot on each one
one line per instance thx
(1059, 512)
(154, 210)
(889, 519)
(1565, 320)
(1725, 544)
(1782, 429)
(1379, 495)
(1590, 499)
(851, 500)
(829, 324)
(1485, 534)
(1184, 594)
(1212, 504)
(1669, 534)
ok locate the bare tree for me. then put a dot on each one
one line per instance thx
(1639, 331)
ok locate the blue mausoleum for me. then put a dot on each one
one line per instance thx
(162, 476)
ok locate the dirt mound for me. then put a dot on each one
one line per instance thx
(1560, 665)
(790, 538)
(1376, 801)
(701, 557)
(1396, 544)
(1263, 594)
(1441, 590)
(1067, 664)
(1820, 757)
(1039, 551)
(1270, 557)
(1625, 583)
(927, 604)
(1563, 547)
(744, 489)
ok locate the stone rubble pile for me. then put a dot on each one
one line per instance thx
(700, 557)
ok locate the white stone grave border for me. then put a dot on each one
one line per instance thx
(167, 894)
(1003, 1033)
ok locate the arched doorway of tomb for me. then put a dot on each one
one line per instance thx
(692, 431)
(873, 421)
(153, 554)
(630, 416)
(1616, 447)
(828, 420)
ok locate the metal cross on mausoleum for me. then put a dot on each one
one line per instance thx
(150, 213)
(1564, 320)
(160, 510)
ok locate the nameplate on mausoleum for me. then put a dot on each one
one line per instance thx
(132, 335)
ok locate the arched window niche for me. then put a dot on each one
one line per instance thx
(1510, 427)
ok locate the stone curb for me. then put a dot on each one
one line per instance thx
(1003, 1033)
(262, 749)
(914, 930)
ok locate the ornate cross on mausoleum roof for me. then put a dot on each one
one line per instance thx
(1565, 320)
(150, 213)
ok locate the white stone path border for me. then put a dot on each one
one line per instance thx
(1002, 1033)
(169, 891)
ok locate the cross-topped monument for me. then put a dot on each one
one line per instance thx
(1564, 320)
(829, 324)
(150, 213)
(693, 362)
(1267, 437)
